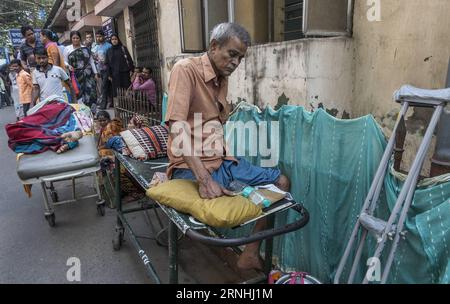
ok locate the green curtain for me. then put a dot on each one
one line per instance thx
(331, 163)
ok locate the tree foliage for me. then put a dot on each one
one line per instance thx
(15, 13)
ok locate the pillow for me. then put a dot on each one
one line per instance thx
(147, 143)
(222, 212)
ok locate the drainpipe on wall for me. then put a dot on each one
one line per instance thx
(440, 163)
(271, 20)
(205, 28)
(231, 14)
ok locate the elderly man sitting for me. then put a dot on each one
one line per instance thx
(197, 110)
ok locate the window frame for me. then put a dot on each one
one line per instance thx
(204, 23)
(307, 33)
(182, 38)
(348, 31)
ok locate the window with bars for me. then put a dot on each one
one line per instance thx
(293, 19)
(266, 20)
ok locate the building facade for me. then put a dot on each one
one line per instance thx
(346, 56)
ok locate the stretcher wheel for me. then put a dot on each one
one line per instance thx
(51, 220)
(54, 196)
(101, 209)
(118, 240)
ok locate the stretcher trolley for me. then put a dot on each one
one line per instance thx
(49, 168)
(143, 173)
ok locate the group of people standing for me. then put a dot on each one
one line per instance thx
(89, 73)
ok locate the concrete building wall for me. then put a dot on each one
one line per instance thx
(90, 5)
(351, 77)
(305, 72)
(302, 72)
(128, 28)
(411, 44)
(169, 37)
(121, 28)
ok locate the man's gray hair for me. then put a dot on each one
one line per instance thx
(225, 31)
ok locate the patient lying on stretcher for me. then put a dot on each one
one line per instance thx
(70, 140)
(53, 125)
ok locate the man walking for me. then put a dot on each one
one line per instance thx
(25, 85)
(47, 78)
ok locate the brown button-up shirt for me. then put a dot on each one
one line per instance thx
(194, 90)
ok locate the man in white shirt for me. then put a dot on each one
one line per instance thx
(48, 79)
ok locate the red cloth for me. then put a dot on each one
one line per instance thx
(75, 86)
(37, 133)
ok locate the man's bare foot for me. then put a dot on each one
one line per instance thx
(128, 199)
(248, 261)
(133, 197)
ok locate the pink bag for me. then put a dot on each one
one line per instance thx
(280, 278)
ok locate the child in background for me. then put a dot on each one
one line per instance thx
(136, 73)
(25, 84)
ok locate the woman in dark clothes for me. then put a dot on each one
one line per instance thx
(120, 65)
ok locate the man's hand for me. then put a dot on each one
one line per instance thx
(35, 94)
(209, 189)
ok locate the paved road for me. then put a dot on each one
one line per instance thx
(32, 252)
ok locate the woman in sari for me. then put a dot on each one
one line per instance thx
(83, 70)
(108, 128)
(111, 128)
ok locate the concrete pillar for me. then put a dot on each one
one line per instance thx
(128, 21)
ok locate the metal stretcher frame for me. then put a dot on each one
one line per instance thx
(188, 227)
(47, 184)
(49, 211)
